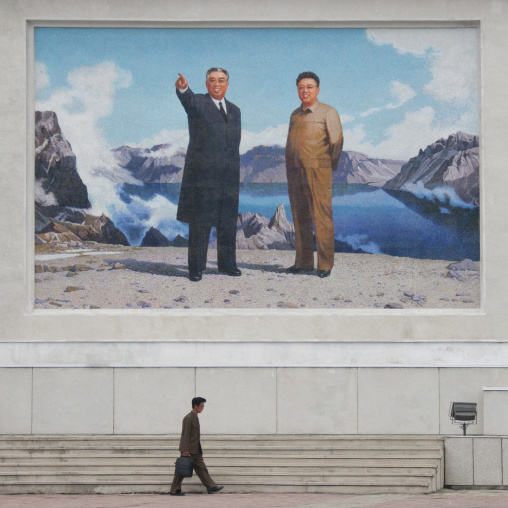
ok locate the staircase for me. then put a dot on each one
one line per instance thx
(243, 464)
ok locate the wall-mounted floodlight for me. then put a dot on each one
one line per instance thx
(463, 414)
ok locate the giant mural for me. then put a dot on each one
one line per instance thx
(111, 142)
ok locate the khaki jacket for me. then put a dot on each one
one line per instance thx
(315, 138)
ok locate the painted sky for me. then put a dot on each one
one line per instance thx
(396, 90)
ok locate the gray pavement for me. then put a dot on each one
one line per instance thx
(442, 499)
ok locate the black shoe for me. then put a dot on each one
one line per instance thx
(232, 272)
(213, 490)
(195, 276)
(295, 269)
(323, 273)
(177, 493)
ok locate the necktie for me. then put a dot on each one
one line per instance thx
(223, 112)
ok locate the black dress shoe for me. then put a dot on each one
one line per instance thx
(295, 269)
(195, 276)
(323, 273)
(232, 272)
(177, 493)
(213, 490)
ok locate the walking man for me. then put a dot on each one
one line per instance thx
(211, 175)
(190, 445)
(313, 149)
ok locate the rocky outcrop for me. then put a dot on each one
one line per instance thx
(111, 234)
(154, 238)
(159, 164)
(61, 198)
(179, 241)
(357, 168)
(254, 231)
(57, 180)
(92, 229)
(451, 162)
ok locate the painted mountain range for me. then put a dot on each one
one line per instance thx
(449, 162)
(453, 162)
(262, 164)
(62, 205)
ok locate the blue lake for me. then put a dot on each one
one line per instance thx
(377, 221)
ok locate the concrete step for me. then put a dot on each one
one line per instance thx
(211, 447)
(76, 489)
(216, 459)
(123, 464)
(287, 469)
(260, 479)
(225, 455)
(212, 442)
(267, 438)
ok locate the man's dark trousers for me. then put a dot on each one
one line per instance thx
(200, 469)
(199, 236)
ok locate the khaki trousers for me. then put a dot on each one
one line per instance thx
(200, 469)
(310, 195)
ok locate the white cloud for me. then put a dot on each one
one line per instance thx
(403, 93)
(453, 56)
(370, 112)
(346, 119)
(402, 140)
(271, 136)
(41, 75)
(95, 87)
(178, 139)
(404, 40)
(79, 107)
(361, 242)
(354, 140)
(159, 208)
(443, 194)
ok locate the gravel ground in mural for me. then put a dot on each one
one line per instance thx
(116, 277)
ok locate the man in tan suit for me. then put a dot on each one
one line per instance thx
(190, 446)
(313, 150)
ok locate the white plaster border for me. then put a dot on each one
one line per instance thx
(20, 323)
(219, 354)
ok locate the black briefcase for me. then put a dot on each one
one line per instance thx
(183, 467)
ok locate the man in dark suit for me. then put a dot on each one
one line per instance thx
(211, 175)
(190, 446)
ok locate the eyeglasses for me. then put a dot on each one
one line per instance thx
(221, 81)
(309, 88)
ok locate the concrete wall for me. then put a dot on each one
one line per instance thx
(476, 461)
(278, 400)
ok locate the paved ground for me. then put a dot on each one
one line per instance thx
(445, 498)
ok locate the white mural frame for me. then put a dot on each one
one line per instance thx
(283, 336)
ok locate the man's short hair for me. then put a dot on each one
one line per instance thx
(308, 74)
(196, 401)
(217, 69)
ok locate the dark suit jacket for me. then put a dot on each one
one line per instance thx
(191, 435)
(211, 175)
